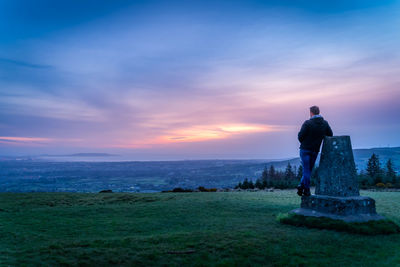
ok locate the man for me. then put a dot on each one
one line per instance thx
(310, 136)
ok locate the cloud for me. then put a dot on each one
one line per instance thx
(23, 64)
(33, 141)
(24, 139)
(201, 133)
(48, 106)
(173, 78)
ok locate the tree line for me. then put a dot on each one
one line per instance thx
(373, 176)
(377, 176)
(272, 177)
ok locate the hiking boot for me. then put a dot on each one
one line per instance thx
(300, 189)
(307, 192)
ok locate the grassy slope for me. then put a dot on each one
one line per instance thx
(221, 228)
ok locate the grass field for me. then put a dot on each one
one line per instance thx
(213, 229)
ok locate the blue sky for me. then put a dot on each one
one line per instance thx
(195, 79)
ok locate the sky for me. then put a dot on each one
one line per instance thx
(195, 79)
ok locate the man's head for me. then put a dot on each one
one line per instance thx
(314, 110)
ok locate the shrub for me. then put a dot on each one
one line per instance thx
(181, 190)
(202, 189)
(106, 191)
(380, 185)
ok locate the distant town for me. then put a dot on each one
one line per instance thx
(40, 174)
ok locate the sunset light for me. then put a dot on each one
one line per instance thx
(138, 78)
(204, 133)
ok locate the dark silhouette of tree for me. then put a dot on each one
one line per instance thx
(265, 178)
(374, 168)
(258, 184)
(238, 186)
(272, 172)
(290, 177)
(245, 184)
(271, 177)
(251, 185)
(289, 174)
(390, 173)
(364, 179)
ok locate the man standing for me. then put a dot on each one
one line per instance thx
(310, 136)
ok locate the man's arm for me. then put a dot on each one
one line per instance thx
(328, 130)
(303, 132)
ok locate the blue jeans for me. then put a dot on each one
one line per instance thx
(308, 159)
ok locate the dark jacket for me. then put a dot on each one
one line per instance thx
(313, 132)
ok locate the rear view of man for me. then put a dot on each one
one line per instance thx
(310, 136)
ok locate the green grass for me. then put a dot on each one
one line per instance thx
(213, 229)
(379, 227)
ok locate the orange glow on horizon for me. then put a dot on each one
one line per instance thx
(196, 133)
(201, 133)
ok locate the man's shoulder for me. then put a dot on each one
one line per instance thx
(326, 122)
(315, 122)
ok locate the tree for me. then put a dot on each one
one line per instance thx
(374, 168)
(272, 172)
(265, 178)
(238, 186)
(390, 173)
(251, 185)
(289, 174)
(364, 179)
(258, 184)
(245, 184)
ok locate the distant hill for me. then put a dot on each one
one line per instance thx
(385, 153)
(84, 155)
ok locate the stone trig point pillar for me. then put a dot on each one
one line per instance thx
(336, 193)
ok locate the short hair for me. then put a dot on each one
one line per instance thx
(314, 110)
